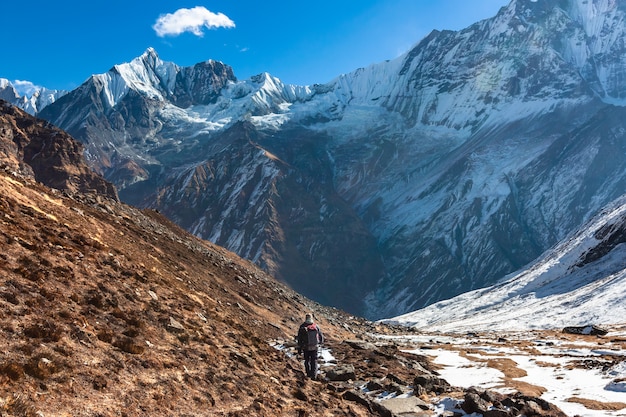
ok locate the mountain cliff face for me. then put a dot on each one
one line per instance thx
(391, 187)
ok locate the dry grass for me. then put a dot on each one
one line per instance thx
(107, 309)
(598, 405)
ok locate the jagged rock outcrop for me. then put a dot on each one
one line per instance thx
(35, 148)
(591, 329)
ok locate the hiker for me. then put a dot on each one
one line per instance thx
(309, 338)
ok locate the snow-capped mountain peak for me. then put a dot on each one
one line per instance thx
(146, 74)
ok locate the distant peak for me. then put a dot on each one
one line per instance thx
(150, 58)
(263, 77)
(150, 52)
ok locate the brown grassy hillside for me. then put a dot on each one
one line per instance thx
(106, 310)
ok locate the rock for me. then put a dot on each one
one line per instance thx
(430, 383)
(341, 373)
(300, 395)
(586, 330)
(35, 148)
(360, 345)
(175, 327)
(492, 396)
(355, 397)
(409, 406)
(531, 406)
(340, 386)
(498, 412)
(474, 404)
(396, 388)
(375, 385)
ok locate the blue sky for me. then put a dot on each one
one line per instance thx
(59, 44)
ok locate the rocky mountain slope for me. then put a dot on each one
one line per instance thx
(391, 187)
(106, 309)
(35, 148)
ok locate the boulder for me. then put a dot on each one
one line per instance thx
(474, 404)
(410, 406)
(341, 373)
(174, 326)
(360, 345)
(430, 383)
(591, 329)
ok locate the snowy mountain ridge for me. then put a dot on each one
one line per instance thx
(581, 281)
(39, 99)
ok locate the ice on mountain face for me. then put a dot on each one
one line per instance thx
(8, 91)
(597, 47)
(146, 74)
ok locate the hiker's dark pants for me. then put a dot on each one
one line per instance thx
(310, 363)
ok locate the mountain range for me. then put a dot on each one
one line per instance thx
(391, 187)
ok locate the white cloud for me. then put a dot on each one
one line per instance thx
(190, 20)
(25, 88)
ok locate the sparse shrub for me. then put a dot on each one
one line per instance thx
(26, 348)
(63, 349)
(119, 314)
(128, 345)
(99, 382)
(13, 370)
(10, 296)
(105, 335)
(80, 240)
(95, 299)
(134, 321)
(8, 328)
(132, 332)
(130, 320)
(47, 331)
(19, 406)
(40, 367)
(139, 276)
(64, 314)
(64, 272)
(35, 301)
(48, 295)
(31, 273)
